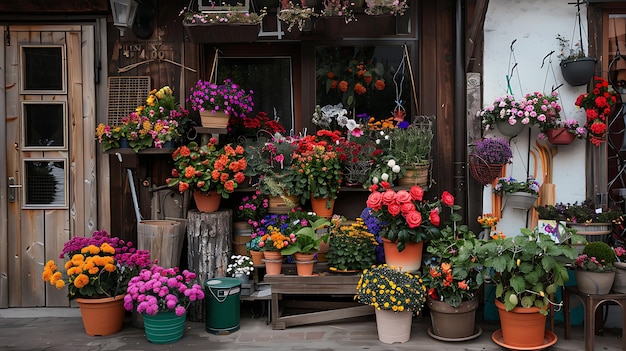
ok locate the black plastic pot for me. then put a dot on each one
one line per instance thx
(578, 71)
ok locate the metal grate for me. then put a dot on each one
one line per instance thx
(124, 95)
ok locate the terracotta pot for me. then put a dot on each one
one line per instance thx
(321, 207)
(560, 136)
(207, 202)
(273, 262)
(393, 326)
(212, 119)
(408, 260)
(257, 257)
(596, 283)
(522, 327)
(102, 317)
(305, 268)
(453, 322)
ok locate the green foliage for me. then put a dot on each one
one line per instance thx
(353, 247)
(601, 251)
(529, 266)
(412, 145)
(307, 241)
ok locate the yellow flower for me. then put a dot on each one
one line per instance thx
(107, 248)
(81, 281)
(60, 284)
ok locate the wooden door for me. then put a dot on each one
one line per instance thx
(49, 115)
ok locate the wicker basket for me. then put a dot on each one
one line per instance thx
(483, 172)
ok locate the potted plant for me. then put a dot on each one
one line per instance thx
(505, 114)
(254, 126)
(594, 268)
(487, 158)
(386, 7)
(220, 27)
(357, 155)
(217, 104)
(240, 267)
(526, 270)
(591, 221)
(97, 272)
(305, 243)
(406, 220)
(335, 14)
(353, 247)
(519, 195)
(412, 146)
(488, 222)
(453, 274)
(295, 15)
(564, 132)
(206, 169)
(316, 162)
(164, 309)
(598, 107)
(396, 296)
(576, 67)
(271, 244)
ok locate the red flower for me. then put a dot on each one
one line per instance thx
(447, 198)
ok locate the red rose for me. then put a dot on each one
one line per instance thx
(416, 192)
(389, 196)
(447, 198)
(374, 201)
(394, 209)
(413, 219)
(434, 217)
(374, 187)
(407, 207)
(385, 184)
(403, 196)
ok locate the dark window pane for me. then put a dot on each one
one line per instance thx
(44, 182)
(43, 68)
(365, 79)
(269, 79)
(43, 124)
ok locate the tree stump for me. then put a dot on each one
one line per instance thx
(209, 238)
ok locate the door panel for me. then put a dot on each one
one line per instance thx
(48, 150)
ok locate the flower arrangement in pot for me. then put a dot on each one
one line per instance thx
(526, 270)
(191, 17)
(453, 274)
(598, 107)
(576, 67)
(412, 146)
(305, 242)
(338, 8)
(386, 7)
(205, 169)
(504, 112)
(357, 155)
(519, 195)
(353, 247)
(396, 296)
(594, 268)
(296, 15)
(226, 101)
(591, 221)
(487, 158)
(240, 267)
(97, 270)
(163, 295)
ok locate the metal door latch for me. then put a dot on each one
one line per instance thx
(12, 187)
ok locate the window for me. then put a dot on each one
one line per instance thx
(44, 125)
(371, 80)
(270, 78)
(44, 183)
(43, 70)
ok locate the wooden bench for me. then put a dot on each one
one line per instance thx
(334, 285)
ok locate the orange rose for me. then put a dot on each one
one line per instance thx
(343, 86)
(380, 84)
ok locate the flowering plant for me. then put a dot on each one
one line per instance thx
(239, 265)
(507, 185)
(588, 212)
(405, 216)
(527, 268)
(354, 247)
(250, 126)
(151, 125)
(333, 117)
(228, 98)
(383, 7)
(388, 288)
(503, 108)
(206, 168)
(598, 106)
(493, 151)
(305, 240)
(318, 164)
(411, 145)
(96, 266)
(161, 289)
(274, 240)
(454, 271)
(488, 220)
(192, 17)
(338, 8)
(573, 127)
(253, 207)
(384, 173)
(597, 256)
(542, 110)
(295, 14)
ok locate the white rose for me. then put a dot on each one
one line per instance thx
(395, 169)
(391, 163)
(384, 177)
(375, 180)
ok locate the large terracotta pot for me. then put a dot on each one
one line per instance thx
(522, 328)
(102, 317)
(597, 283)
(408, 260)
(322, 207)
(453, 323)
(207, 202)
(304, 263)
(393, 326)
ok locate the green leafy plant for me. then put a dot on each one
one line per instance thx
(353, 247)
(596, 257)
(526, 269)
(411, 145)
(295, 15)
(307, 241)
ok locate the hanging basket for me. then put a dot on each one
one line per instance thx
(560, 136)
(483, 172)
(519, 200)
(505, 128)
(579, 71)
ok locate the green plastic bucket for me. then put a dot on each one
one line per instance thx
(164, 327)
(222, 305)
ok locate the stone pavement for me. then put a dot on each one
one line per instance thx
(61, 329)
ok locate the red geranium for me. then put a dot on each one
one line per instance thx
(598, 106)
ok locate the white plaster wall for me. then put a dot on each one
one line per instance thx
(534, 24)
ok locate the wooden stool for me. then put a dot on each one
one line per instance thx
(590, 305)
